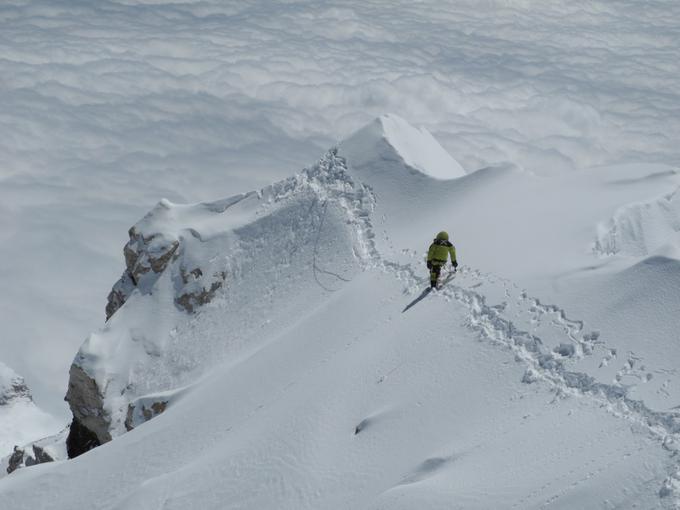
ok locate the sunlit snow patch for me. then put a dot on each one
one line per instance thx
(390, 139)
(640, 229)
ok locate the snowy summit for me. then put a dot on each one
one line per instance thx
(390, 142)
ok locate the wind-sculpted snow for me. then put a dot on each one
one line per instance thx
(643, 228)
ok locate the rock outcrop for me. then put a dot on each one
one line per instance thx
(48, 449)
(22, 421)
(150, 252)
(178, 260)
(146, 257)
(22, 457)
(145, 408)
(90, 426)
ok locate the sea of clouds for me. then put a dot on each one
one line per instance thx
(107, 106)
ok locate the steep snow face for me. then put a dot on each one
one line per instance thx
(20, 419)
(391, 142)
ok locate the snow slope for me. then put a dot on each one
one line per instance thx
(320, 375)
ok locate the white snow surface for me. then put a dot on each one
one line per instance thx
(391, 138)
(322, 376)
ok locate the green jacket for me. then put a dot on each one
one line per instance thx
(439, 252)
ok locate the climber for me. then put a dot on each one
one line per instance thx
(438, 254)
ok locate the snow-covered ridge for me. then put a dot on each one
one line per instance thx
(181, 258)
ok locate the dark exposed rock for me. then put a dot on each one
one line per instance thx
(80, 440)
(16, 460)
(119, 294)
(41, 455)
(21, 458)
(146, 257)
(89, 419)
(197, 294)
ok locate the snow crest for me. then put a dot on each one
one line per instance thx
(389, 142)
(641, 229)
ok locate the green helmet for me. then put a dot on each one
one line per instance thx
(443, 236)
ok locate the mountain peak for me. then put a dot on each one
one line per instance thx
(12, 386)
(389, 139)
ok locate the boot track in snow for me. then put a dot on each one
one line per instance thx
(492, 324)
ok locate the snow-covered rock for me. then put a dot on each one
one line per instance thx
(13, 389)
(48, 449)
(21, 421)
(178, 260)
